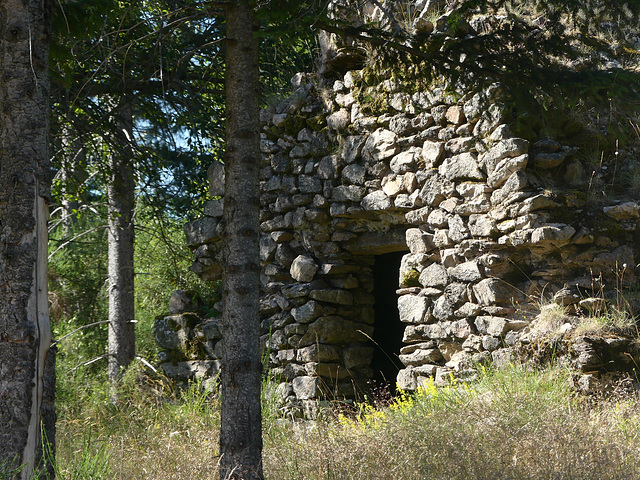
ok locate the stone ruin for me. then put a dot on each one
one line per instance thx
(412, 243)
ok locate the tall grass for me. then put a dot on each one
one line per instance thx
(510, 424)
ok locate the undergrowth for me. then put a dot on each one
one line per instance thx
(514, 423)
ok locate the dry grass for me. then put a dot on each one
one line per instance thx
(157, 433)
(515, 424)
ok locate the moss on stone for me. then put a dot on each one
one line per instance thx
(410, 278)
(317, 123)
(294, 123)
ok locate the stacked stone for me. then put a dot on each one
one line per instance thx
(439, 176)
(204, 235)
(318, 308)
(191, 346)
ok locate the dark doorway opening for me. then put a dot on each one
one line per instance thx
(388, 330)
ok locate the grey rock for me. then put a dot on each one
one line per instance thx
(180, 302)
(482, 226)
(376, 201)
(435, 275)
(438, 218)
(420, 357)
(406, 379)
(492, 291)
(192, 369)
(473, 343)
(546, 160)
(490, 343)
(318, 352)
(474, 107)
(511, 147)
(354, 174)
(468, 310)
(399, 101)
(505, 168)
(403, 201)
(517, 181)
(461, 167)
(301, 151)
(418, 217)
(419, 241)
(351, 193)
(267, 248)
(334, 330)
(327, 167)
(352, 148)
(339, 120)
(557, 234)
(489, 120)
(305, 387)
(413, 309)
(309, 184)
(401, 125)
(307, 313)
(436, 188)
(392, 184)
(461, 329)
(405, 161)
(279, 119)
(537, 202)
(624, 211)
(201, 231)
(455, 115)
(215, 174)
(615, 262)
(380, 145)
(339, 296)
(443, 310)
(281, 163)
(458, 231)
(214, 208)
(210, 329)
(303, 268)
(490, 325)
(466, 272)
(345, 100)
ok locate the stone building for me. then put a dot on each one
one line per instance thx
(411, 243)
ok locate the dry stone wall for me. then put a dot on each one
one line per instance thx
(440, 178)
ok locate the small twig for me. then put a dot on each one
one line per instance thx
(89, 362)
(75, 238)
(78, 329)
(86, 326)
(146, 363)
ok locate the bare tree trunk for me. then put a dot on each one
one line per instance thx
(25, 334)
(121, 198)
(240, 431)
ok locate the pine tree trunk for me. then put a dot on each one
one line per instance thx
(26, 386)
(240, 432)
(121, 197)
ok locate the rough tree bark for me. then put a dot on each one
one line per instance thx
(240, 431)
(26, 379)
(121, 198)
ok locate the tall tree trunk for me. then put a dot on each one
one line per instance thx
(121, 198)
(25, 334)
(240, 431)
